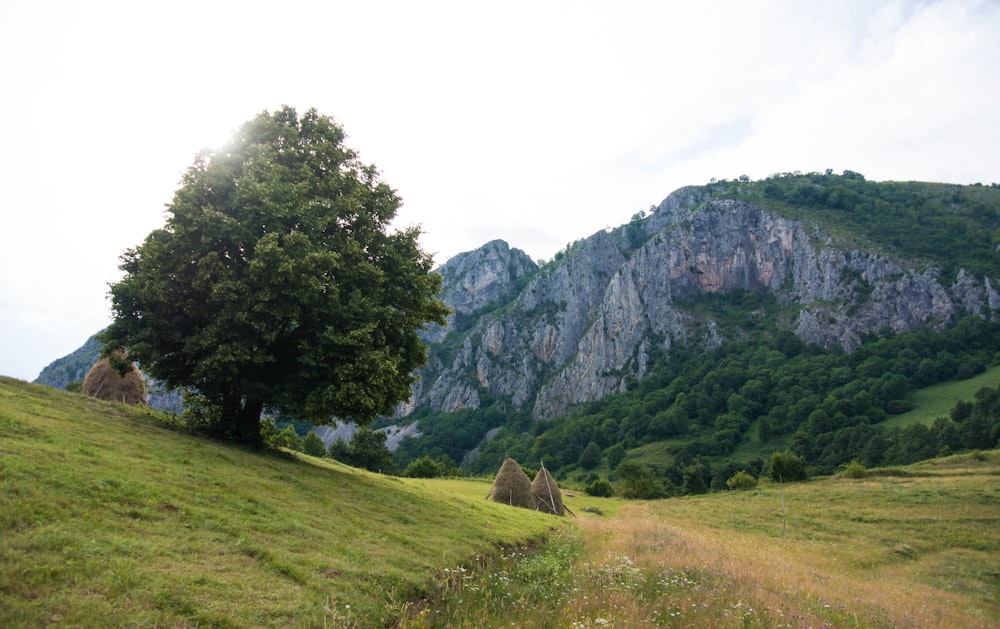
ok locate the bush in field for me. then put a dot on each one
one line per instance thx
(741, 480)
(268, 430)
(787, 467)
(855, 469)
(367, 450)
(590, 457)
(615, 454)
(424, 467)
(638, 481)
(601, 488)
(287, 438)
(693, 479)
(968, 369)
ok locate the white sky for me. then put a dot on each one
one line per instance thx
(536, 122)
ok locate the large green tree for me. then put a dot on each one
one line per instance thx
(277, 283)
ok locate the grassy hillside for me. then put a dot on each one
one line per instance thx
(919, 547)
(937, 400)
(108, 519)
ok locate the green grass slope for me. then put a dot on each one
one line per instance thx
(109, 519)
(937, 400)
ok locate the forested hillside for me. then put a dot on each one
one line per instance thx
(726, 410)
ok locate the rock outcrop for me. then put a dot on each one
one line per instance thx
(585, 324)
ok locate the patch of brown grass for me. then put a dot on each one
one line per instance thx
(914, 552)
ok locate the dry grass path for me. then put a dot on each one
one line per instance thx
(705, 563)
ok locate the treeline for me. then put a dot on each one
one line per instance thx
(969, 426)
(826, 406)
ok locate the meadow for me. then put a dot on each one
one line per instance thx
(913, 547)
(108, 518)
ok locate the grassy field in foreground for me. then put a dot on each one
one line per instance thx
(921, 550)
(108, 519)
(915, 551)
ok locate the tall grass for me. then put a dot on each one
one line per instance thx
(916, 551)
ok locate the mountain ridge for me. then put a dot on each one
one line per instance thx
(588, 321)
(530, 340)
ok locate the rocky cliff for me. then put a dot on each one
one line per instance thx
(586, 323)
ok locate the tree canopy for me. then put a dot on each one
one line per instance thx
(276, 283)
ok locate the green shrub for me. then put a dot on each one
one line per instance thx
(590, 457)
(741, 480)
(287, 438)
(693, 479)
(787, 467)
(313, 445)
(268, 431)
(615, 455)
(969, 369)
(638, 481)
(366, 450)
(601, 488)
(424, 467)
(898, 407)
(854, 469)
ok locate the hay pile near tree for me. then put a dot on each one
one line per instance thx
(548, 498)
(105, 382)
(512, 486)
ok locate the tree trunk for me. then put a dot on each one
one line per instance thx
(248, 423)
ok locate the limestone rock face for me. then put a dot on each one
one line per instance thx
(345, 430)
(475, 279)
(582, 326)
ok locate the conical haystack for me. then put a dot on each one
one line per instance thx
(512, 486)
(105, 383)
(548, 498)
